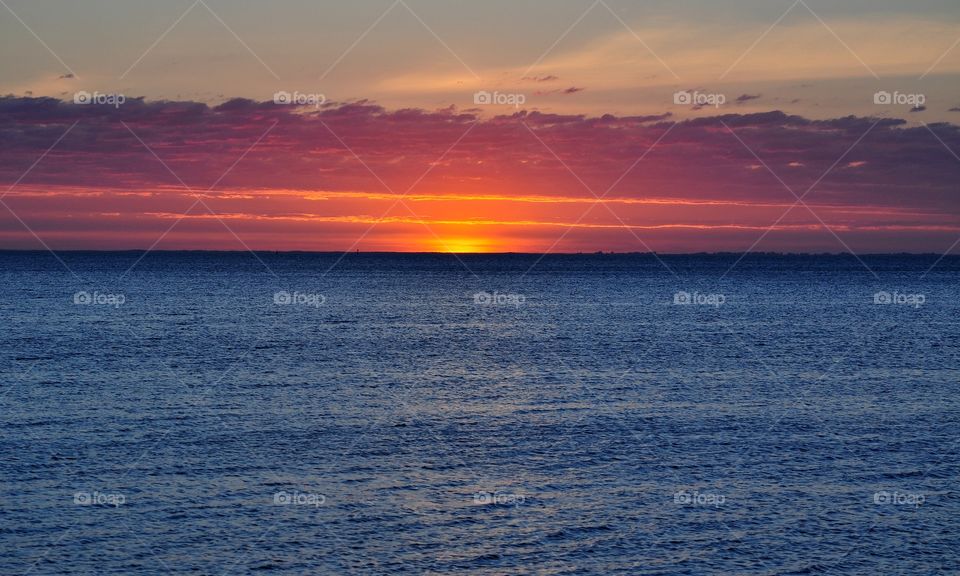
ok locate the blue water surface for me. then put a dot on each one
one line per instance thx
(231, 413)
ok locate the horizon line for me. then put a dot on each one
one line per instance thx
(448, 253)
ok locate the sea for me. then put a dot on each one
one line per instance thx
(642, 414)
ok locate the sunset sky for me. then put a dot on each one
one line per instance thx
(821, 127)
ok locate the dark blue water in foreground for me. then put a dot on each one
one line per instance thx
(225, 413)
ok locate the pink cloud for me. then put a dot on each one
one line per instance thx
(272, 164)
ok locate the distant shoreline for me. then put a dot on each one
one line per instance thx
(474, 255)
(6, 251)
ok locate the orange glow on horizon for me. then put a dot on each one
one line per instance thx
(462, 245)
(458, 222)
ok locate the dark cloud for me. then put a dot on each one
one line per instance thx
(565, 91)
(318, 149)
(918, 109)
(548, 78)
(747, 97)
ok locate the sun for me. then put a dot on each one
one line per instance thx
(462, 245)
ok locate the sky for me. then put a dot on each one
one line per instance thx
(497, 126)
